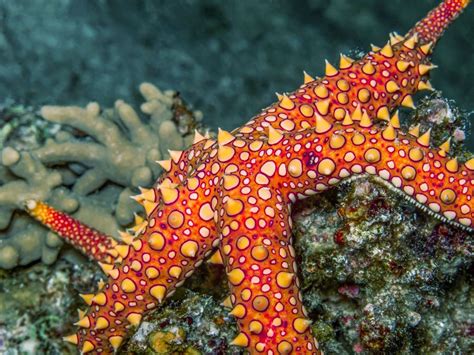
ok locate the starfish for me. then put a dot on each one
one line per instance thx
(232, 197)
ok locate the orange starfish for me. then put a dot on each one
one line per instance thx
(234, 195)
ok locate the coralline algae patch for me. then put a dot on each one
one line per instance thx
(376, 272)
(196, 324)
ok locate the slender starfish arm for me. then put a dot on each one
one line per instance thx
(260, 264)
(373, 86)
(92, 243)
(312, 161)
(169, 247)
(431, 28)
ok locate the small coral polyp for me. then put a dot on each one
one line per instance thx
(232, 197)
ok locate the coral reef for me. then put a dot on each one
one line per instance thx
(408, 291)
(236, 194)
(376, 272)
(193, 324)
(36, 303)
(84, 161)
(233, 197)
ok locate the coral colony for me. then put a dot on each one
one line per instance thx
(231, 198)
(116, 151)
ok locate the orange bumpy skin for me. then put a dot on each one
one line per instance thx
(234, 195)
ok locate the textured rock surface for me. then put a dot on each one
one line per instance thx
(36, 305)
(376, 272)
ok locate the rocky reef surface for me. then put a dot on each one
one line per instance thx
(378, 276)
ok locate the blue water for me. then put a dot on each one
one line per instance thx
(227, 58)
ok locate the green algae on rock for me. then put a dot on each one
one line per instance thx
(37, 304)
(372, 266)
(193, 323)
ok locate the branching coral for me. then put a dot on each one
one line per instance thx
(89, 169)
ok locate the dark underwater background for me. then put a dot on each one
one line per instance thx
(227, 58)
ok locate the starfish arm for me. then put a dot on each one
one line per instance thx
(169, 246)
(431, 28)
(92, 243)
(260, 264)
(372, 86)
(405, 163)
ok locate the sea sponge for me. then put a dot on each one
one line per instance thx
(89, 168)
